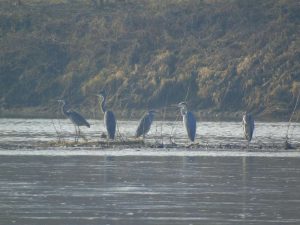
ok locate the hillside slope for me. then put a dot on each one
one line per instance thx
(220, 56)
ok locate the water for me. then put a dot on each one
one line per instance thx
(149, 190)
(30, 132)
(86, 186)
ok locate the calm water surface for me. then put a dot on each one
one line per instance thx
(66, 186)
(149, 190)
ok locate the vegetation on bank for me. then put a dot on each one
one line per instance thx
(220, 56)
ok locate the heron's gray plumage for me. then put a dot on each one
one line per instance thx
(110, 124)
(189, 121)
(145, 124)
(77, 119)
(248, 126)
(109, 117)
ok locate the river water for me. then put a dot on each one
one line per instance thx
(82, 186)
(32, 131)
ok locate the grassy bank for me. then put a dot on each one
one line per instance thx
(222, 57)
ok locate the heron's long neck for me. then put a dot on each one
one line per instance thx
(151, 116)
(64, 109)
(247, 118)
(183, 111)
(103, 108)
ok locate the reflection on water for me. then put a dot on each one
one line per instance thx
(135, 190)
(42, 130)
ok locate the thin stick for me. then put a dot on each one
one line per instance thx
(164, 116)
(119, 133)
(56, 131)
(290, 121)
(187, 92)
(161, 127)
(60, 137)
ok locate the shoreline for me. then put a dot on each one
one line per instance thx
(140, 145)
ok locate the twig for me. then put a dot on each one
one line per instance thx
(56, 131)
(290, 121)
(119, 133)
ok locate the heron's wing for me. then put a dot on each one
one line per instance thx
(77, 119)
(252, 125)
(190, 125)
(144, 126)
(247, 132)
(110, 123)
(248, 126)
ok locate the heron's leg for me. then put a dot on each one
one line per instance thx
(76, 134)
(188, 143)
(81, 135)
(107, 140)
(77, 137)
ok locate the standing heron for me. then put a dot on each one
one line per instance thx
(248, 126)
(109, 117)
(77, 119)
(145, 124)
(189, 121)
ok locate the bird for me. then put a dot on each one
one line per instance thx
(189, 121)
(145, 124)
(77, 119)
(248, 126)
(109, 117)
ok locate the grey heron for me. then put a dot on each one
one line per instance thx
(189, 121)
(109, 117)
(145, 124)
(77, 119)
(248, 126)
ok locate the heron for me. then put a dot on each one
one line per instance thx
(77, 119)
(145, 124)
(109, 117)
(248, 126)
(189, 121)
